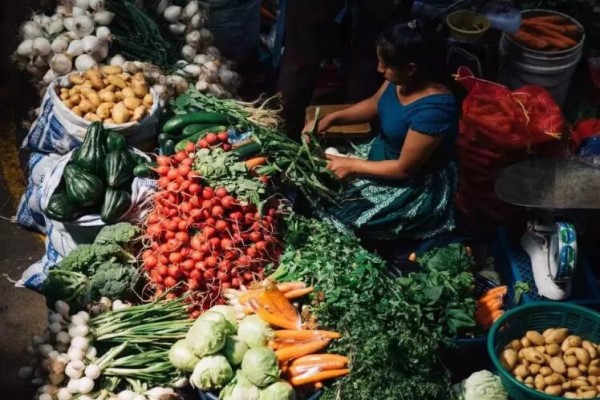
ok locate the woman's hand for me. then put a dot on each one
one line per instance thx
(342, 167)
(322, 125)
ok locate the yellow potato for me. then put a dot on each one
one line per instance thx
(554, 379)
(534, 369)
(119, 95)
(508, 358)
(131, 102)
(64, 90)
(514, 344)
(525, 342)
(93, 98)
(541, 349)
(571, 341)
(540, 384)
(570, 360)
(533, 356)
(535, 337)
(111, 70)
(552, 349)
(587, 346)
(92, 117)
(75, 90)
(594, 370)
(110, 88)
(69, 103)
(590, 394)
(125, 76)
(140, 76)
(109, 121)
(76, 79)
(592, 379)
(87, 84)
(120, 114)
(546, 371)
(104, 110)
(555, 390)
(557, 336)
(148, 100)
(138, 113)
(78, 111)
(95, 78)
(521, 371)
(140, 88)
(86, 106)
(570, 395)
(558, 365)
(117, 81)
(573, 373)
(128, 92)
(64, 96)
(107, 96)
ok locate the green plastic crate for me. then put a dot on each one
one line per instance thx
(538, 316)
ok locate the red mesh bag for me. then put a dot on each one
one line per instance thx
(498, 128)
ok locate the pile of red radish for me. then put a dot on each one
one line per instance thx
(220, 139)
(203, 240)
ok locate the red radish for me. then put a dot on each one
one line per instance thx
(172, 174)
(150, 262)
(190, 147)
(221, 226)
(169, 235)
(215, 243)
(193, 175)
(248, 277)
(255, 237)
(183, 225)
(152, 218)
(261, 246)
(183, 237)
(207, 193)
(180, 156)
(251, 252)
(162, 170)
(174, 258)
(230, 255)
(203, 144)
(184, 170)
(226, 147)
(243, 261)
(211, 138)
(196, 242)
(208, 275)
(173, 244)
(264, 179)
(170, 282)
(222, 276)
(200, 266)
(153, 230)
(223, 136)
(188, 265)
(173, 186)
(155, 277)
(204, 248)
(195, 189)
(197, 255)
(236, 216)
(235, 283)
(193, 285)
(163, 181)
(196, 214)
(163, 161)
(221, 192)
(209, 232)
(206, 204)
(226, 244)
(185, 207)
(228, 202)
(183, 186)
(163, 259)
(217, 211)
(211, 261)
(210, 221)
(188, 161)
(170, 224)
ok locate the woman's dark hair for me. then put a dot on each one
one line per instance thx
(402, 43)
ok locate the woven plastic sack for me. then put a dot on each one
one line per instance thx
(45, 174)
(58, 130)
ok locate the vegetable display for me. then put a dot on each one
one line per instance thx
(555, 362)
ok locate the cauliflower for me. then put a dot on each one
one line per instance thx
(114, 280)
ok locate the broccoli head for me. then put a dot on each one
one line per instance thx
(87, 257)
(114, 280)
(121, 233)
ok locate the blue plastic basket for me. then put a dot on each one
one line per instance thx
(210, 396)
(514, 264)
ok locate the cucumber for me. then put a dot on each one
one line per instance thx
(179, 122)
(195, 128)
(248, 150)
(196, 136)
(144, 170)
(168, 149)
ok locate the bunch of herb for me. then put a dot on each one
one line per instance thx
(392, 329)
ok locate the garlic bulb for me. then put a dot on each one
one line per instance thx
(31, 30)
(188, 53)
(117, 60)
(78, 12)
(83, 25)
(104, 17)
(103, 33)
(62, 11)
(59, 45)
(97, 5)
(55, 27)
(61, 64)
(172, 13)
(41, 46)
(49, 76)
(191, 9)
(84, 4)
(200, 59)
(193, 39)
(90, 44)
(25, 49)
(68, 23)
(75, 48)
(177, 29)
(84, 62)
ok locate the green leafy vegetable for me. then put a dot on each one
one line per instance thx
(234, 350)
(206, 337)
(114, 280)
(278, 391)
(122, 233)
(211, 372)
(521, 288)
(482, 385)
(240, 388)
(260, 366)
(254, 331)
(182, 357)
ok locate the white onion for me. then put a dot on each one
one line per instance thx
(81, 343)
(31, 30)
(79, 331)
(75, 354)
(86, 385)
(193, 38)
(200, 59)
(75, 48)
(78, 12)
(104, 17)
(162, 6)
(45, 396)
(177, 28)
(139, 397)
(48, 389)
(68, 23)
(196, 21)
(61, 64)
(83, 25)
(62, 11)
(73, 386)
(63, 394)
(191, 9)
(59, 45)
(92, 371)
(192, 69)
(84, 62)
(126, 395)
(45, 349)
(216, 89)
(90, 44)
(85, 4)
(73, 373)
(91, 353)
(25, 49)
(188, 53)
(97, 5)
(55, 27)
(55, 327)
(172, 13)
(117, 60)
(103, 33)
(202, 85)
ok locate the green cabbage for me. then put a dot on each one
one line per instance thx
(228, 312)
(206, 337)
(254, 331)
(182, 357)
(216, 316)
(240, 388)
(278, 391)
(482, 385)
(234, 350)
(211, 372)
(260, 366)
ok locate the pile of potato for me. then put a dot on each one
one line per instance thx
(108, 95)
(555, 363)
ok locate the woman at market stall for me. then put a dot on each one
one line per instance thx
(401, 185)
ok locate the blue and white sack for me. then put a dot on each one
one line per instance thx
(45, 174)
(59, 130)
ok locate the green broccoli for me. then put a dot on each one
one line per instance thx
(114, 280)
(72, 287)
(122, 234)
(86, 257)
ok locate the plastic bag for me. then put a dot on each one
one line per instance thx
(59, 130)
(45, 174)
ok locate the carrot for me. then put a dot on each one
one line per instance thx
(294, 294)
(274, 300)
(255, 162)
(530, 40)
(489, 320)
(319, 376)
(319, 358)
(498, 290)
(555, 19)
(299, 350)
(555, 38)
(491, 303)
(302, 369)
(245, 296)
(271, 317)
(305, 334)
(289, 286)
(564, 29)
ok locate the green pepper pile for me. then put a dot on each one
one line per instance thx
(97, 179)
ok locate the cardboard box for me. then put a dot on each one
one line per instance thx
(352, 131)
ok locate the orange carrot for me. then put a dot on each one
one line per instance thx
(493, 301)
(554, 19)
(498, 290)
(255, 162)
(319, 376)
(271, 317)
(245, 296)
(299, 350)
(302, 369)
(275, 302)
(305, 334)
(564, 29)
(555, 38)
(318, 358)
(294, 294)
(529, 40)
(289, 286)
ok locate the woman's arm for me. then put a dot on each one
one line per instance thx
(360, 112)
(416, 150)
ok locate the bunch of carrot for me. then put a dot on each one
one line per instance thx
(201, 239)
(295, 346)
(548, 32)
(489, 306)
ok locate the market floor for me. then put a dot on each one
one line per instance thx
(22, 311)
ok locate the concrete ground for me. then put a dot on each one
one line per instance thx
(22, 311)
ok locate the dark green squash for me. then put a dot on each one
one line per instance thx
(90, 156)
(59, 207)
(83, 188)
(115, 142)
(116, 203)
(118, 168)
